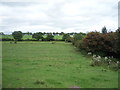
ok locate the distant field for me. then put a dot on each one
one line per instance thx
(6, 36)
(45, 65)
(28, 36)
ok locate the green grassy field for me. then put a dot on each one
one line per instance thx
(46, 65)
(27, 37)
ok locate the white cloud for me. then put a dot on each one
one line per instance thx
(58, 15)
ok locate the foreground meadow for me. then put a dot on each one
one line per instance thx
(46, 65)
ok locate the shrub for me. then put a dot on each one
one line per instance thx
(103, 44)
(93, 42)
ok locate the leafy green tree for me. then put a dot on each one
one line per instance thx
(104, 30)
(62, 33)
(17, 35)
(65, 36)
(72, 33)
(37, 36)
(78, 36)
(69, 39)
(54, 33)
(50, 37)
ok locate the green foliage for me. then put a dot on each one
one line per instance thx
(79, 44)
(37, 36)
(50, 37)
(69, 39)
(17, 35)
(29, 38)
(62, 33)
(77, 39)
(65, 36)
(78, 36)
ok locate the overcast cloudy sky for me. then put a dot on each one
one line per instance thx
(58, 15)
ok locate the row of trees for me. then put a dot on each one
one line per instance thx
(45, 33)
(39, 36)
(48, 33)
(17, 35)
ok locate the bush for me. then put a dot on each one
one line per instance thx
(103, 44)
(93, 42)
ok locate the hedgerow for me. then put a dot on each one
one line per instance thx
(104, 44)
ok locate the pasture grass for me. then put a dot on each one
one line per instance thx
(45, 65)
(27, 37)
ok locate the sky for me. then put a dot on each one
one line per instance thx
(58, 15)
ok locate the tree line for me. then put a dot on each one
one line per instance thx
(41, 36)
(44, 33)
